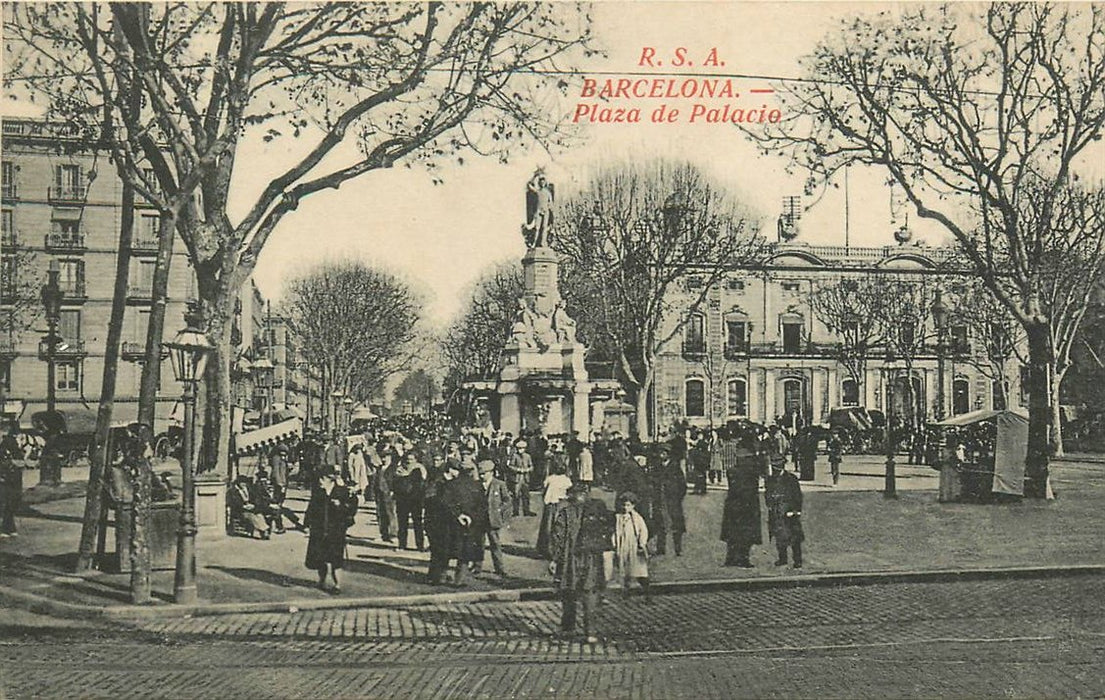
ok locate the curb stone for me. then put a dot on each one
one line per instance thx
(44, 605)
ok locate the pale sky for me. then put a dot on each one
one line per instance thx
(442, 237)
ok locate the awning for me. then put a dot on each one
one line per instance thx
(255, 441)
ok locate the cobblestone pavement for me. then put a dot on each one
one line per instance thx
(970, 639)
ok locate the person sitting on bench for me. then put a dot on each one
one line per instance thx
(243, 511)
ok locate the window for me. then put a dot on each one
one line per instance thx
(849, 392)
(71, 279)
(695, 398)
(69, 324)
(8, 178)
(67, 178)
(142, 279)
(907, 334)
(849, 285)
(999, 346)
(961, 396)
(791, 286)
(792, 336)
(8, 222)
(5, 374)
(7, 274)
(736, 335)
(735, 285)
(694, 335)
(737, 397)
(958, 339)
(68, 376)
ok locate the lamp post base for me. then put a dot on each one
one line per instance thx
(184, 584)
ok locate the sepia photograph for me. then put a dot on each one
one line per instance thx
(672, 349)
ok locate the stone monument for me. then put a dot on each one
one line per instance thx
(543, 384)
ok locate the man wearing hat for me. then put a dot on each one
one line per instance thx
(464, 508)
(519, 466)
(783, 496)
(498, 515)
(583, 530)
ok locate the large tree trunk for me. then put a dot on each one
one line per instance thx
(1039, 414)
(217, 305)
(93, 504)
(644, 432)
(1056, 412)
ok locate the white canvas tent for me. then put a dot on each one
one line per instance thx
(1010, 446)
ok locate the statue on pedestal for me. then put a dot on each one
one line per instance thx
(522, 332)
(563, 324)
(537, 230)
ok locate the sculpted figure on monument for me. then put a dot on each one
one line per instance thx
(522, 332)
(539, 215)
(563, 324)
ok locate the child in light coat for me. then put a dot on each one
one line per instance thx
(631, 544)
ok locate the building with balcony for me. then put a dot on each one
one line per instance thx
(755, 348)
(61, 201)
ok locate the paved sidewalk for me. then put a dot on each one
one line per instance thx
(850, 529)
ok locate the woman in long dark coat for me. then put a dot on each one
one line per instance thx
(740, 521)
(329, 514)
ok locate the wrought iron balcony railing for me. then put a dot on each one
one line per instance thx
(66, 347)
(69, 194)
(65, 240)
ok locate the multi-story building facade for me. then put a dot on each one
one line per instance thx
(62, 205)
(756, 349)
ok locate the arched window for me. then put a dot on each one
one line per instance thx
(695, 398)
(736, 393)
(961, 396)
(849, 392)
(694, 335)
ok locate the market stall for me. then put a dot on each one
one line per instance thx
(986, 452)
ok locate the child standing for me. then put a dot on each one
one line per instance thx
(631, 543)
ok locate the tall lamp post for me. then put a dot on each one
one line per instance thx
(348, 411)
(51, 302)
(890, 483)
(335, 397)
(940, 321)
(188, 352)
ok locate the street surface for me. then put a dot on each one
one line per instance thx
(1007, 638)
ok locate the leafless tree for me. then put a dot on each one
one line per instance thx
(851, 309)
(633, 241)
(356, 324)
(472, 346)
(365, 86)
(980, 114)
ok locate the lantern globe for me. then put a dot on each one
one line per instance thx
(188, 353)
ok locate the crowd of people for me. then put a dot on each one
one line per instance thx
(453, 492)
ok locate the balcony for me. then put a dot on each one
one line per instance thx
(694, 350)
(139, 293)
(67, 241)
(7, 348)
(9, 192)
(736, 351)
(67, 348)
(134, 351)
(144, 244)
(69, 194)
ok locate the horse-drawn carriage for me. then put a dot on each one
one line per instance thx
(68, 434)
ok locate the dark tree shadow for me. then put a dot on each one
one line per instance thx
(26, 512)
(263, 576)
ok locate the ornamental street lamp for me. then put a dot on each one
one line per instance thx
(940, 321)
(51, 301)
(348, 411)
(335, 399)
(264, 376)
(188, 352)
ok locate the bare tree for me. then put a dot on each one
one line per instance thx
(633, 240)
(356, 324)
(417, 389)
(367, 85)
(472, 346)
(979, 114)
(851, 309)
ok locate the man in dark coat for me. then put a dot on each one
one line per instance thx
(583, 530)
(464, 503)
(329, 514)
(783, 495)
(629, 476)
(11, 483)
(669, 488)
(740, 520)
(807, 455)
